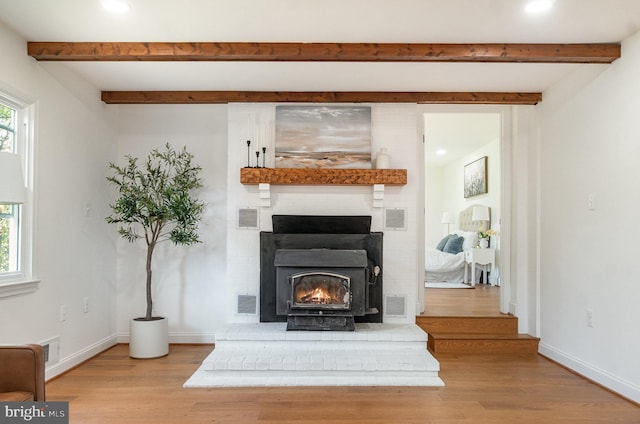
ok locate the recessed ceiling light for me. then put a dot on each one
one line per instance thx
(115, 6)
(538, 6)
(441, 152)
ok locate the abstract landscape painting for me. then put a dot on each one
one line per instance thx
(323, 137)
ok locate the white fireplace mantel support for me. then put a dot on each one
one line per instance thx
(265, 195)
(378, 195)
(264, 191)
(377, 178)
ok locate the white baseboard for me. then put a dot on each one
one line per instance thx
(79, 357)
(179, 338)
(612, 382)
(197, 338)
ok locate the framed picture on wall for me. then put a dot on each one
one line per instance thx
(323, 137)
(475, 177)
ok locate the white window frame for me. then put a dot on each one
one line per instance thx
(23, 281)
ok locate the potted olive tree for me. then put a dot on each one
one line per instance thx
(155, 204)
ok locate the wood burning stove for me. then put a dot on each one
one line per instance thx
(321, 272)
(321, 289)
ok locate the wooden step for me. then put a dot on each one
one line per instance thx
(498, 324)
(505, 344)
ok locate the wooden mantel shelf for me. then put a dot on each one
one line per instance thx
(323, 176)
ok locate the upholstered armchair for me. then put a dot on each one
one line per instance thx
(21, 373)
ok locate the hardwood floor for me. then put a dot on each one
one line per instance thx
(484, 300)
(113, 388)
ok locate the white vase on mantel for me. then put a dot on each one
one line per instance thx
(484, 243)
(382, 159)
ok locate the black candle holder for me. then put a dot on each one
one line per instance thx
(257, 158)
(264, 156)
(248, 154)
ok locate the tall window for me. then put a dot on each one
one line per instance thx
(9, 214)
(15, 228)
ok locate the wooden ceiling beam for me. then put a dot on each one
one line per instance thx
(220, 97)
(325, 52)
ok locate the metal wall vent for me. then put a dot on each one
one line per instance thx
(248, 218)
(247, 304)
(395, 219)
(395, 306)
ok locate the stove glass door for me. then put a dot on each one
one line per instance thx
(320, 290)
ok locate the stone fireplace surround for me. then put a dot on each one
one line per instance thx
(394, 127)
(266, 354)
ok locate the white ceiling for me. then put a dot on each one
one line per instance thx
(458, 134)
(397, 21)
(410, 21)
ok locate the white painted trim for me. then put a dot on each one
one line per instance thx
(612, 382)
(507, 114)
(67, 363)
(18, 288)
(506, 160)
(22, 280)
(192, 338)
(538, 247)
(421, 202)
(179, 338)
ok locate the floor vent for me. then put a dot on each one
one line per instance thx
(51, 350)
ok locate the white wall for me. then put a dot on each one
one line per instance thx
(74, 254)
(453, 179)
(394, 127)
(434, 206)
(520, 257)
(188, 281)
(590, 143)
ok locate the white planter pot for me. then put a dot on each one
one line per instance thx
(148, 339)
(484, 243)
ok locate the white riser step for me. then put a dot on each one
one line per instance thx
(268, 355)
(276, 331)
(327, 360)
(310, 378)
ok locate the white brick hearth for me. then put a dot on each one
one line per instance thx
(266, 354)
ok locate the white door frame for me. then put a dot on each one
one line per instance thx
(506, 142)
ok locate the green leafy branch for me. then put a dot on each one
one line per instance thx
(155, 201)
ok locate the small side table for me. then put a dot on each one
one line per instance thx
(481, 257)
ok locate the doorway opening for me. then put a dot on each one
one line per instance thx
(454, 142)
